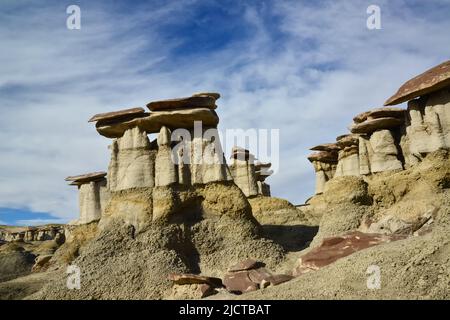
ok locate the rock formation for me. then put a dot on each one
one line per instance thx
(243, 171)
(29, 234)
(389, 139)
(324, 162)
(173, 204)
(262, 171)
(93, 195)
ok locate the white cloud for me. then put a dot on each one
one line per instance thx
(307, 74)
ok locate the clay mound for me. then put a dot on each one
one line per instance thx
(119, 264)
(14, 261)
(408, 194)
(276, 211)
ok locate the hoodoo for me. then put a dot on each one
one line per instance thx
(93, 195)
(389, 138)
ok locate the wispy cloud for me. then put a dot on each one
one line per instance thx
(305, 68)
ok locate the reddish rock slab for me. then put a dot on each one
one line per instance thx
(347, 140)
(206, 290)
(246, 264)
(335, 248)
(372, 125)
(259, 275)
(127, 114)
(239, 282)
(152, 123)
(431, 80)
(84, 178)
(380, 113)
(215, 95)
(202, 101)
(324, 156)
(329, 147)
(187, 278)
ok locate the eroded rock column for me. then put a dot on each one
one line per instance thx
(132, 161)
(324, 160)
(243, 171)
(93, 195)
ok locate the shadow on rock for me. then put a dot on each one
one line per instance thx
(291, 238)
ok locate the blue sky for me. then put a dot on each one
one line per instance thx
(304, 67)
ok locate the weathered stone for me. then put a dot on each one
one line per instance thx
(239, 282)
(328, 147)
(198, 101)
(41, 261)
(207, 162)
(380, 113)
(323, 156)
(215, 95)
(187, 278)
(348, 158)
(120, 115)
(379, 153)
(431, 80)
(244, 265)
(84, 178)
(92, 197)
(263, 188)
(132, 161)
(260, 276)
(371, 125)
(385, 155)
(165, 171)
(334, 248)
(389, 225)
(172, 119)
(347, 140)
(428, 127)
(244, 175)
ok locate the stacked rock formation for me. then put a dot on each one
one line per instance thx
(324, 162)
(379, 131)
(187, 152)
(262, 171)
(389, 138)
(93, 195)
(427, 125)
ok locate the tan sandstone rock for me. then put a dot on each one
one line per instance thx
(242, 168)
(165, 171)
(132, 161)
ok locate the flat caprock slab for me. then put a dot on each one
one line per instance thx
(152, 123)
(198, 101)
(127, 114)
(431, 80)
(84, 178)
